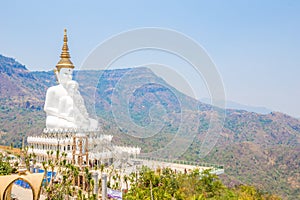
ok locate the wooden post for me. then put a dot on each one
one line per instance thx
(87, 151)
(74, 150)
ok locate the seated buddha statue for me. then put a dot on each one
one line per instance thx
(64, 106)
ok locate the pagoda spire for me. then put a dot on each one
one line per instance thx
(65, 61)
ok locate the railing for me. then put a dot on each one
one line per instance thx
(182, 162)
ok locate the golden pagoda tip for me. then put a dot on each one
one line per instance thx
(65, 61)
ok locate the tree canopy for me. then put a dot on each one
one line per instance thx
(5, 167)
(195, 185)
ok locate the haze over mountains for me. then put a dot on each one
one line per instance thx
(261, 149)
(239, 106)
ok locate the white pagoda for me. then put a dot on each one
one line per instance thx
(69, 128)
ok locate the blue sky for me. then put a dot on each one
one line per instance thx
(254, 44)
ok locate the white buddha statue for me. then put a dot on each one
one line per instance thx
(64, 105)
(71, 107)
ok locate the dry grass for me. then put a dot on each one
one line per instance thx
(14, 151)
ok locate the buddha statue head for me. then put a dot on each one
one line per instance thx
(64, 75)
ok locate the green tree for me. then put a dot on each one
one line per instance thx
(5, 168)
(196, 185)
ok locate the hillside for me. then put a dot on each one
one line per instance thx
(258, 149)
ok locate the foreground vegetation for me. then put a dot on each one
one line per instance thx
(5, 167)
(145, 184)
(195, 185)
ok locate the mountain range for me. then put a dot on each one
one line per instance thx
(259, 149)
